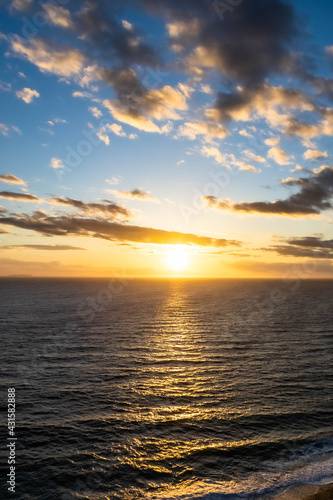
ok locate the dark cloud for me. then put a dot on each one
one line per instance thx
(109, 38)
(314, 196)
(314, 247)
(112, 231)
(18, 196)
(312, 242)
(254, 41)
(108, 207)
(260, 98)
(294, 251)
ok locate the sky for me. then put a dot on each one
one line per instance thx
(166, 138)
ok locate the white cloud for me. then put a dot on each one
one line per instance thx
(279, 156)
(313, 154)
(254, 157)
(274, 141)
(116, 129)
(97, 113)
(63, 61)
(127, 25)
(211, 151)
(206, 89)
(245, 133)
(113, 181)
(27, 95)
(5, 129)
(103, 137)
(56, 163)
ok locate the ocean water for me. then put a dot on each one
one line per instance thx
(167, 389)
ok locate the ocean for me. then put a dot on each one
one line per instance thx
(166, 388)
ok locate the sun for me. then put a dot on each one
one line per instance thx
(177, 258)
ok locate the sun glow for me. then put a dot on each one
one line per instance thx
(177, 258)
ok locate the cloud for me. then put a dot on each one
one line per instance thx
(5, 87)
(56, 163)
(103, 137)
(115, 128)
(311, 241)
(108, 207)
(254, 157)
(279, 156)
(226, 159)
(138, 106)
(27, 95)
(21, 4)
(245, 133)
(270, 29)
(41, 247)
(314, 247)
(113, 180)
(273, 141)
(11, 179)
(260, 101)
(56, 120)
(5, 129)
(105, 229)
(58, 16)
(138, 194)
(312, 154)
(213, 152)
(97, 113)
(84, 95)
(314, 196)
(210, 130)
(9, 195)
(49, 58)
(111, 38)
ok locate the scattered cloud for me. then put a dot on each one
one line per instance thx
(279, 156)
(254, 157)
(21, 4)
(12, 179)
(312, 154)
(113, 180)
(19, 196)
(207, 129)
(107, 207)
(58, 16)
(59, 60)
(27, 95)
(5, 129)
(97, 113)
(56, 163)
(137, 194)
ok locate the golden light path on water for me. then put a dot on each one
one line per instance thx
(181, 392)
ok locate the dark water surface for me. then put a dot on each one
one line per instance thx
(173, 389)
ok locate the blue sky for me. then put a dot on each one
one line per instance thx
(132, 127)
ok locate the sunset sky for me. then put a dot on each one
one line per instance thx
(166, 138)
